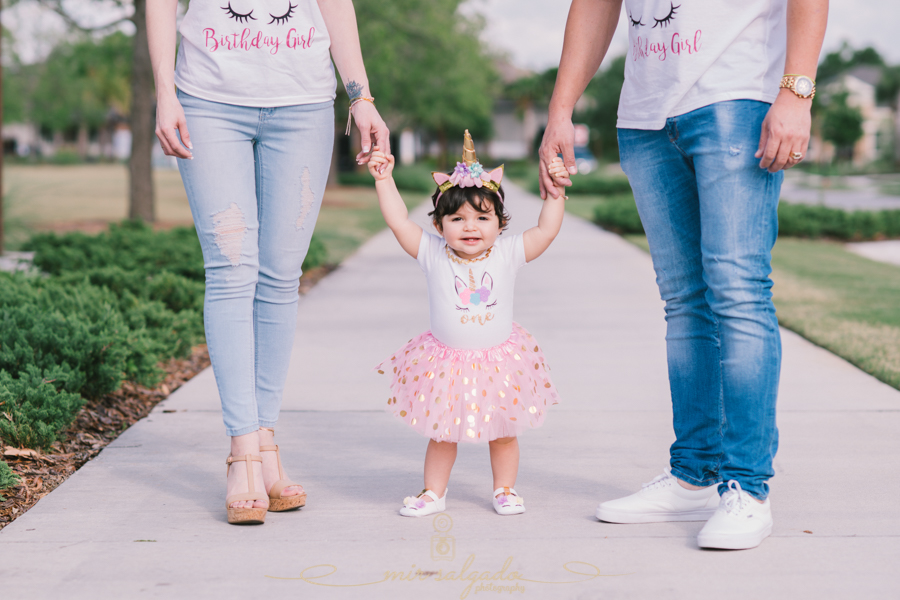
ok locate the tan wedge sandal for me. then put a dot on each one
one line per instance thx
(245, 516)
(277, 502)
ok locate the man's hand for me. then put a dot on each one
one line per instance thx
(559, 138)
(785, 131)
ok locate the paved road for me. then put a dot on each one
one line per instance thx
(145, 518)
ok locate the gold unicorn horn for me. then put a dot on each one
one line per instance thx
(469, 150)
(471, 280)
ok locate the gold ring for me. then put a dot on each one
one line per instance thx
(797, 155)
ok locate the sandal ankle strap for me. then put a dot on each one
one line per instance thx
(508, 491)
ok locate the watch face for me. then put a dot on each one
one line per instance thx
(803, 86)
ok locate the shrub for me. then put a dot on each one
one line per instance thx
(592, 183)
(7, 478)
(316, 255)
(35, 407)
(799, 220)
(619, 215)
(413, 178)
(794, 220)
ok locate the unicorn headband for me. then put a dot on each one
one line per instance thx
(468, 173)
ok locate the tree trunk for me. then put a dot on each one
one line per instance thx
(143, 124)
(82, 141)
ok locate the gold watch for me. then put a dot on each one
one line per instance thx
(801, 85)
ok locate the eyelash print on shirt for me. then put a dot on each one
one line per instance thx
(668, 18)
(492, 305)
(636, 23)
(238, 17)
(283, 18)
(464, 309)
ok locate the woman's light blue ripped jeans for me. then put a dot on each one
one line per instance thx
(255, 187)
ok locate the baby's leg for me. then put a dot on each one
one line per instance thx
(439, 459)
(505, 461)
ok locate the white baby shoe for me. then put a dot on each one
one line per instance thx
(416, 506)
(508, 502)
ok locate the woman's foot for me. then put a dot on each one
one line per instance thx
(273, 473)
(237, 482)
(426, 503)
(507, 502)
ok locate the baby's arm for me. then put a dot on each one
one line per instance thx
(537, 239)
(392, 207)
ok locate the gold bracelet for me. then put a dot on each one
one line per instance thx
(353, 103)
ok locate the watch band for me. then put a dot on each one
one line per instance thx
(789, 82)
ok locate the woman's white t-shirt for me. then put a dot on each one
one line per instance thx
(687, 54)
(263, 53)
(471, 303)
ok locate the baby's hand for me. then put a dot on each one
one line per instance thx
(558, 170)
(380, 164)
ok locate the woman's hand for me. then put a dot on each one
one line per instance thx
(170, 122)
(370, 125)
(381, 165)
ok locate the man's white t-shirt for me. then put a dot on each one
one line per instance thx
(471, 304)
(687, 54)
(262, 53)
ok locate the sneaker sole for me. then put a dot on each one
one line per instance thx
(613, 516)
(733, 542)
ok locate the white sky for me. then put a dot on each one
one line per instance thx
(530, 31)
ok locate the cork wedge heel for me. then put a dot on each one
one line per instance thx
(277, 502)
(245, 516)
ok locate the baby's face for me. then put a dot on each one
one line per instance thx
(470, 232)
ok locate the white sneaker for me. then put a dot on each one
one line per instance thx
(661, 500)
(740, 521)
(415, 506)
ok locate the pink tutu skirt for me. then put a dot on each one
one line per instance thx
(452, 395)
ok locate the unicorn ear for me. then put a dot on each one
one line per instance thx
(487, 281)
(439, 177)
(496, 175)
(460, 284)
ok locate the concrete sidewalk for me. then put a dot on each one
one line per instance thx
(146, 517)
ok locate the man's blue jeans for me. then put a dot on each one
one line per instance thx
(710, 214)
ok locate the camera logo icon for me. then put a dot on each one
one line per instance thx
(443, 545)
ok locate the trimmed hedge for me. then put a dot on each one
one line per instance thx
(410, 178)
(106, 309)
(794, 220)
(592, 183)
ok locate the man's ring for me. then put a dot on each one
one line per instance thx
(797, 155)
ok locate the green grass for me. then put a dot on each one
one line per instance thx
(843, 302)
(89, 197)
(350, 216)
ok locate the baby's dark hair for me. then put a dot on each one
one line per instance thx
(454, 198)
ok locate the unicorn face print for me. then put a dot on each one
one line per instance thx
(471, 297)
